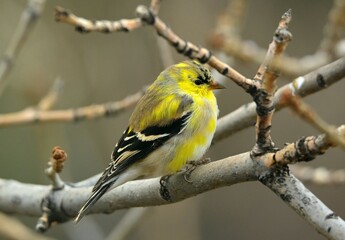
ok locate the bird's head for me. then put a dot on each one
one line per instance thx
(194, 78)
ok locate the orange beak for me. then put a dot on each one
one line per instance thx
(215, 85)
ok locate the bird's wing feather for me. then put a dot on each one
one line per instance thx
(134, 146)
(137, 143)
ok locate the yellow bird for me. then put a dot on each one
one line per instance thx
(173, 123)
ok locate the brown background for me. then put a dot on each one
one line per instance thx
(98, 68)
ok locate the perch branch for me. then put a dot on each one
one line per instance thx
(26, 198)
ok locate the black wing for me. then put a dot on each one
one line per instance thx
(134, 146)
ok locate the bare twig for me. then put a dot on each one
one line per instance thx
(305, 149)
(309, 115)
(83, 25)
(192, 51)
(56, 164)
(11, 228)
(26, 23)
(155, 5)
(35, 115)
(128, 222)
(334, 29)
(267, 75)
(310, 83)
(319, 175)
(48, 101)
(248, 51)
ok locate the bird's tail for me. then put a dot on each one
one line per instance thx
(91, 201)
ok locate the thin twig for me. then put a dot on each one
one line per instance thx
(310, 83)
(26, 23)
(11, 228)
(155, 5)
(319, 175)
(48, 101)
(334, 29)
(55, 166)
(249, 51)
(128, 222)
(303, 150)
(191, 50)
(83, 25)
(308, 114)
(35, 115)
(267, 76)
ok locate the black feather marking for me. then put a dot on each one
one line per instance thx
(140, 147)
(92, 200)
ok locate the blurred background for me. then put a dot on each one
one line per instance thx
(97, 68)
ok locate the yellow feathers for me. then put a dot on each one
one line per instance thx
(172, 124)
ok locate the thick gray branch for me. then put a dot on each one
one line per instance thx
(26, 199)
(305, 203)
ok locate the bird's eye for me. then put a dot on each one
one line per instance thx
(198, 82)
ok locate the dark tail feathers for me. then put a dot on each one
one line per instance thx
(91, 201)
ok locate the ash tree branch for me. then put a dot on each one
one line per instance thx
(26, 198)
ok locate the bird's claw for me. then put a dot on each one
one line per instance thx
(163, 190)
(192, 165)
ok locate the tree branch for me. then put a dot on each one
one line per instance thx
(64, 204)
(319, 175)
(267, 76)
(304, 203)
(26, 23)
(310, 83)
(37, 115)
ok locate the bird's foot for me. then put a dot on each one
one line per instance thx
(164, 192)
(192, 165)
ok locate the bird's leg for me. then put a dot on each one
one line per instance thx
(192, 165)
(164, 192)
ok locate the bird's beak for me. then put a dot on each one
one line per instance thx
(215, 85)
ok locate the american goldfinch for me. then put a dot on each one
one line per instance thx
(173, 123)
